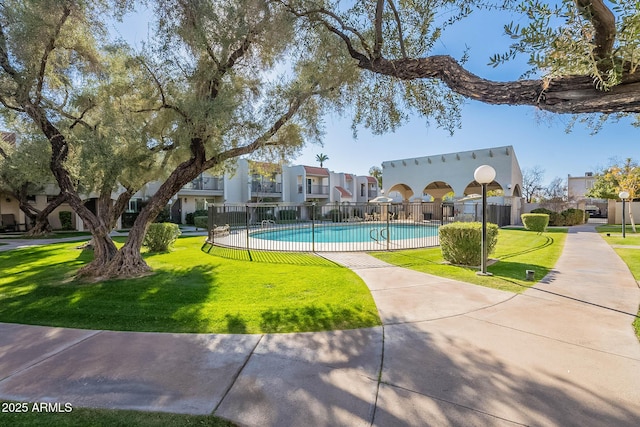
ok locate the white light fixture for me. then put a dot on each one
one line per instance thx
(484, 174)
(623, 194)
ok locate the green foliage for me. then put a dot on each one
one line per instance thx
(616, 178)
(567, 217)
(555, 219)
(201, 221)
(163, 216)
(190, 217)
(535, 222)
(461, 242)
(65, 220)
(104, 417)
(287, 214)
(573, 216)
(161, 236)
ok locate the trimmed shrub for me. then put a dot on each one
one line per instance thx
(567, 217)
(535, 222)
(461, 242)
(160, 236)
(573, 216)
(555, 219)
(65, 220)
(287, 215)
(200, 221)
(189, 218)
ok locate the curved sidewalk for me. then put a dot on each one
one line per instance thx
(560, 354)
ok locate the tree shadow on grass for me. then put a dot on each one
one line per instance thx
(165, 301)
(315, 318)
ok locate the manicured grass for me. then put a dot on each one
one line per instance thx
(517, 250)
(630, 256)
(190, 291)
(615, 235)
(81, 417)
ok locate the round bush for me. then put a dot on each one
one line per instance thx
(160, 236)
(535, 222)
(201, 221)
(461, 242)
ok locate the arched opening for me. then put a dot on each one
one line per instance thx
(437, 189)
(517, 192)
(493, 189)
(402, 190)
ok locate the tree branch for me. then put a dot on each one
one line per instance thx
(377, 25)
(399, 24)
(263, 139)
(604, 23)
(51, 45)
(571, 94)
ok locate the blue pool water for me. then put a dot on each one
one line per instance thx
(351, 233)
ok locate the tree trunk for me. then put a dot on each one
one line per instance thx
(41, 224)
(633, 224)
(128, 262)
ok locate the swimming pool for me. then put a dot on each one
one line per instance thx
(348, 233)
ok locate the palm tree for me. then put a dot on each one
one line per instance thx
(321, 158)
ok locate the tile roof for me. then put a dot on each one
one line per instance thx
(312, 170)
(343, 191)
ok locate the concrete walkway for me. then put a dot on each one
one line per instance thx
(449, 354)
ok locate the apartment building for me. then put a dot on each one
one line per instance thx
(250, 182)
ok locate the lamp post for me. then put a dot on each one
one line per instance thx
(484, 175)
(623, 195)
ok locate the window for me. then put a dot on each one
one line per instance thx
(362, 190)
(134, 205)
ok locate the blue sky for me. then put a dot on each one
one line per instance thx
(539, 139)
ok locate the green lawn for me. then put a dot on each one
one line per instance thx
(630, 256)
(81, 417)
(615, 235)
(190, 291)
(517, 250)
(54, 235)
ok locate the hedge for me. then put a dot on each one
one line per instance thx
(564, 218)
(535, 221)
(461, 242)
(287, 214)
(65, 220)
(190, 217)
(200, 221)
(160, 236)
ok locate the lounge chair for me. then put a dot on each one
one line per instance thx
(221, 231)
(9, 223)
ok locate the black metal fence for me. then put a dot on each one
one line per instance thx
(332, 227)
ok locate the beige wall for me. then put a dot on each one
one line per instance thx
(615, 212)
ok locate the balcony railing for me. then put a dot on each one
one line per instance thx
(314, 189)
(266, 187)
(212, 184)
